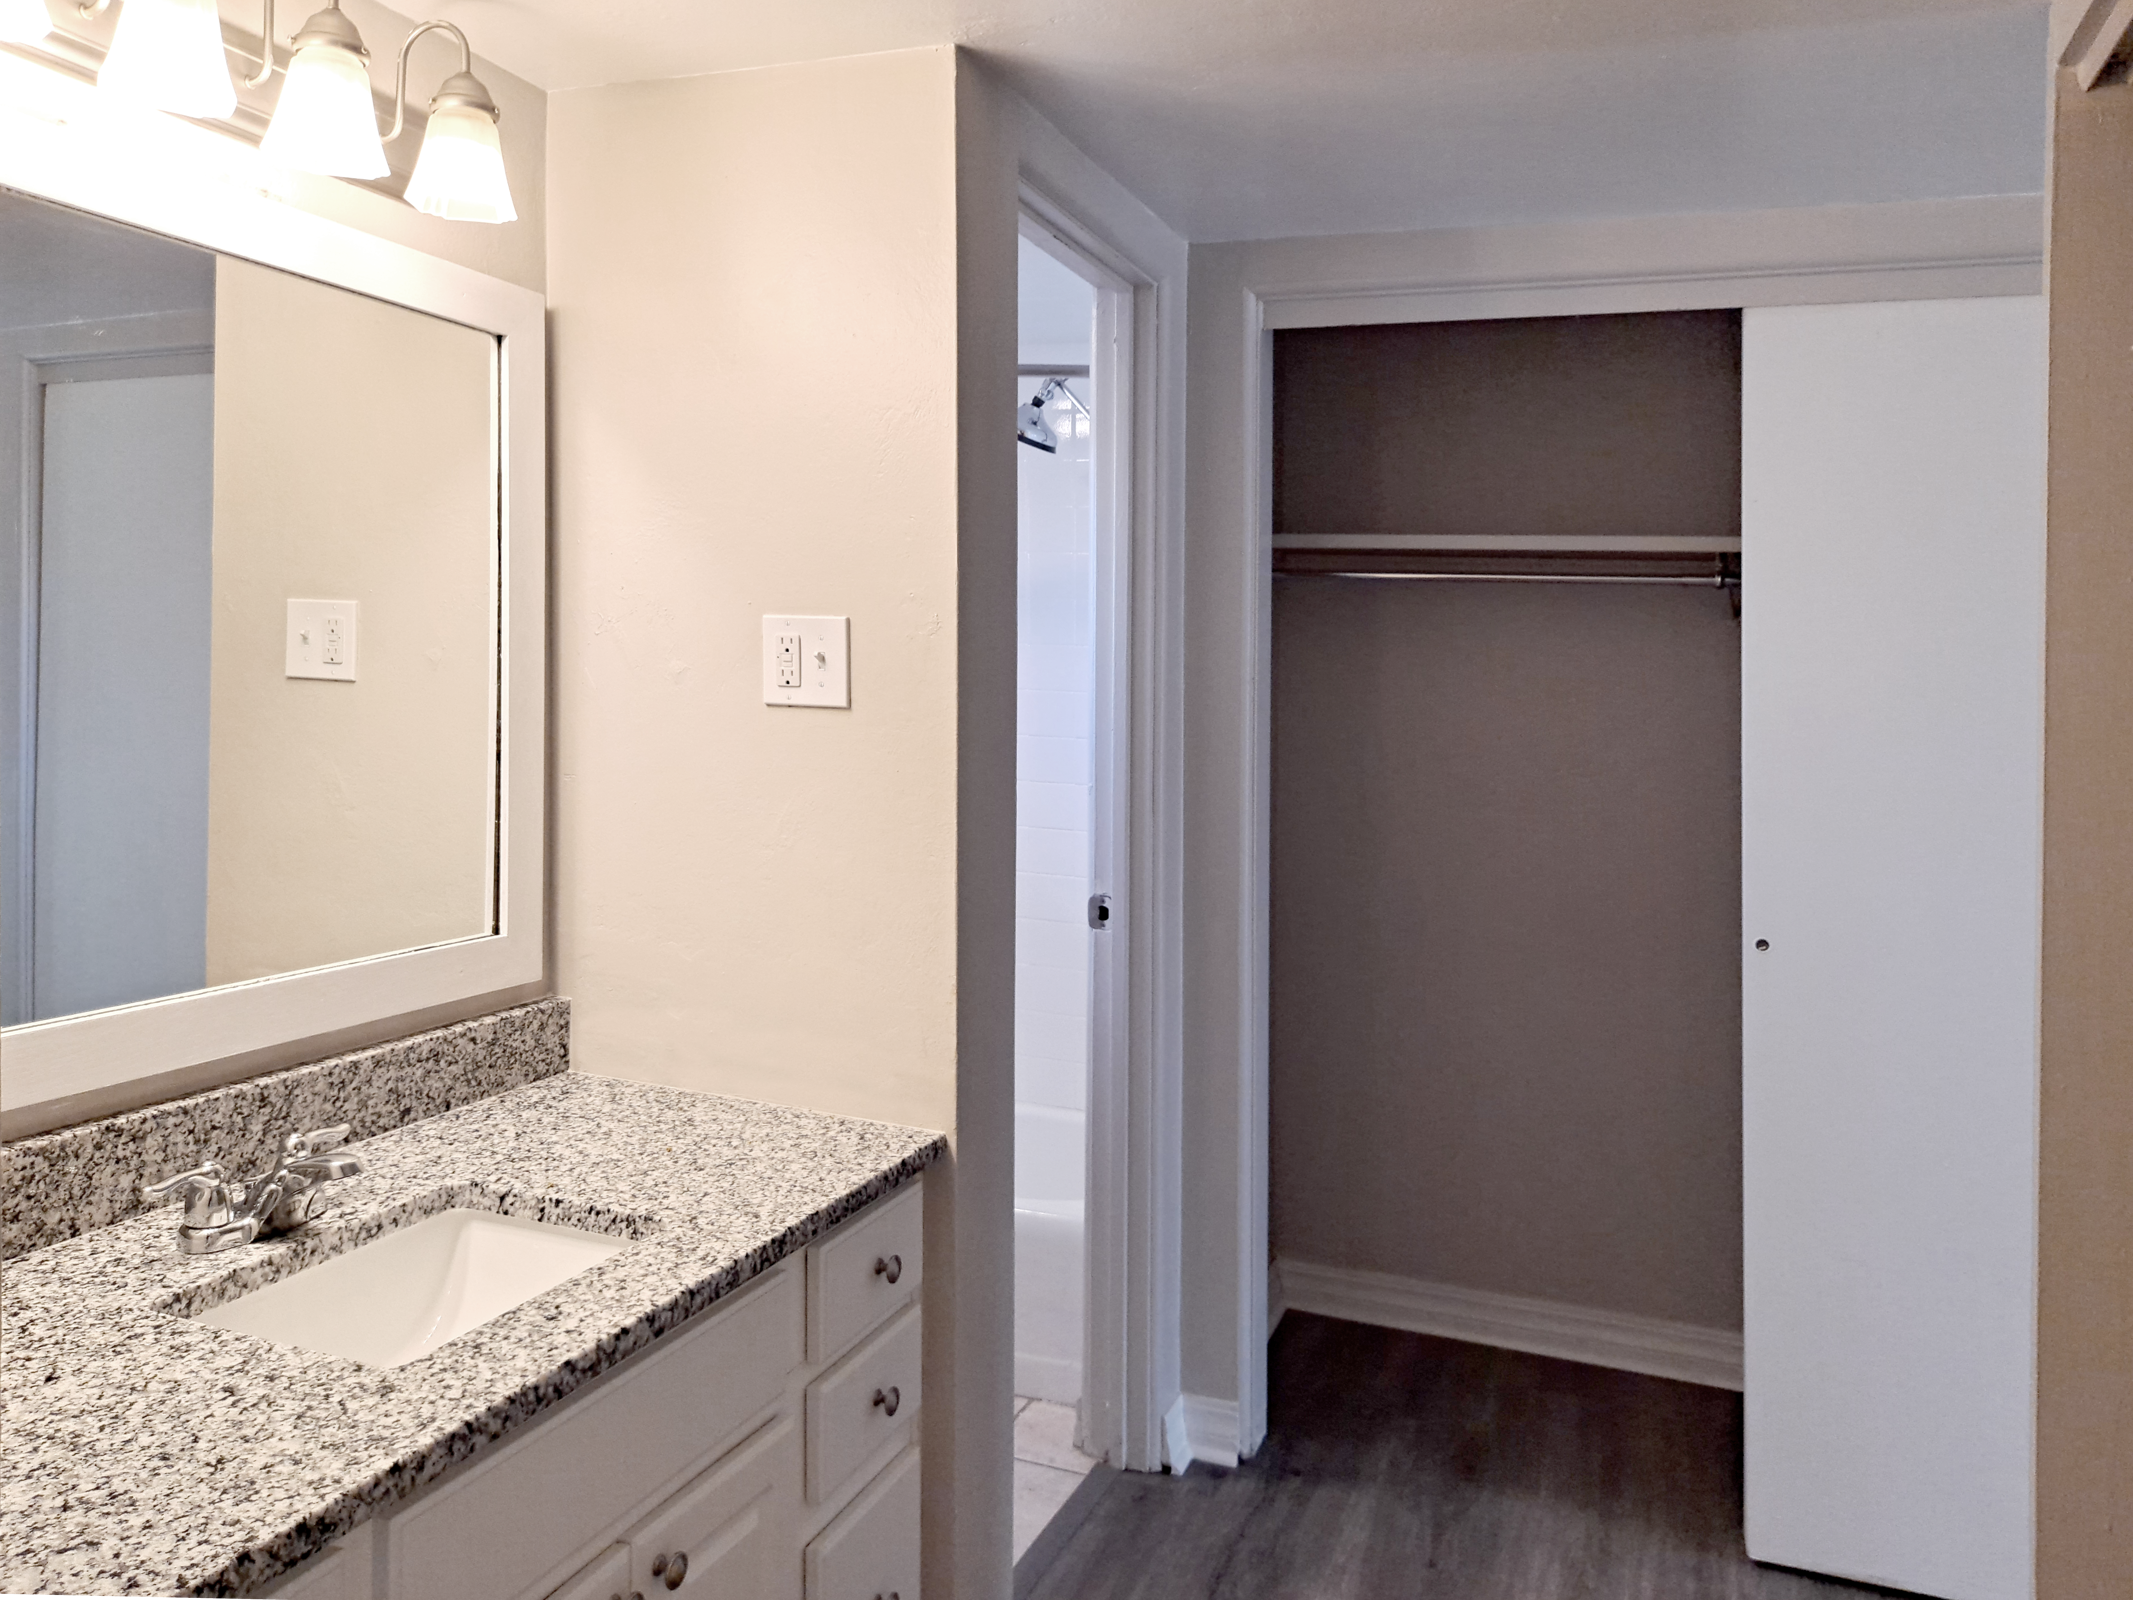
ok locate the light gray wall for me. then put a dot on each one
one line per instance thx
(1604, 427)
(1506, 987)
(122, 692)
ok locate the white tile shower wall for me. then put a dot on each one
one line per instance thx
(1056, 624)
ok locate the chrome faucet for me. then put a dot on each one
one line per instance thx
(222, 1213)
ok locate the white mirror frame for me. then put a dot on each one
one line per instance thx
(59, 141)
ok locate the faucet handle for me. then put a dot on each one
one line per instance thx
(317, 1142)
(206, 1191)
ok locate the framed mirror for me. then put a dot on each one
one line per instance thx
(271, 598)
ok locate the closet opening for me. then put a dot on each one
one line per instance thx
(1505, 971)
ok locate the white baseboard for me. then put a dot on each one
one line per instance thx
(1177, 1443)
(1678, 1350)
(1198, 1427)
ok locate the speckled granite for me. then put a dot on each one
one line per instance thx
(56, 1185)
(146, 1454)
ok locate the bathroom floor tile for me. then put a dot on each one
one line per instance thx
(1044, 1433)
(1039, 1493)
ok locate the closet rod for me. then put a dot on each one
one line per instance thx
(1709, 581)
(1051, 369)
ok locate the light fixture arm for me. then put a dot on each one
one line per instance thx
(266, 47)
(461, 86)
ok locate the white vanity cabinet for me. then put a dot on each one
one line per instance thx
(767, 1452)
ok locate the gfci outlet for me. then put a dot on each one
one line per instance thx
(806, 661)
(322, 640)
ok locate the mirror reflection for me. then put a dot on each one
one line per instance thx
(249, 600)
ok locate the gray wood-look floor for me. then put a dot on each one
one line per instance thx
(1401, 1465)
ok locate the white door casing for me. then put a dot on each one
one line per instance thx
(1130, 1358)
(1892, 733)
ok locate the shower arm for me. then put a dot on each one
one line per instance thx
(1057, 386)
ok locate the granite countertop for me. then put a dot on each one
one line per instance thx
(148, 1454)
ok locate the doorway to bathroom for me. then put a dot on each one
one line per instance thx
(1068, 908)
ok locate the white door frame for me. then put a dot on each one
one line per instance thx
(1242, 294)
(1129, 1365)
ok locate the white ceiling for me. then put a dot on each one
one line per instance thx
(1258, 118)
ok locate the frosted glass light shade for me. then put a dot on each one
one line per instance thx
(24, 21)
(167, 55)
(325, 121)
(460, 172)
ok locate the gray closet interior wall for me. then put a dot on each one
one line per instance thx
(1506, 823)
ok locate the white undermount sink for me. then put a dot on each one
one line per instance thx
(399, 1297)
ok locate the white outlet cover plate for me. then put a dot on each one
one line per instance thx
(825, 661)
(309, 650)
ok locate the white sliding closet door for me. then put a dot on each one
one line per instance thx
(1891, 733)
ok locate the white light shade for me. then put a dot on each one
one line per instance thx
(167, 54)
(24, 21)
(460, 172)
(326, 122)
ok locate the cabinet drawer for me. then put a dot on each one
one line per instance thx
(730, 1535)
(342, 1572)
(871, 1551)
(863, 1272)
(505, 1526)
(606, 1578)
(857, 1407)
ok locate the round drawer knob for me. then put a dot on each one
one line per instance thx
(671, 1569)
(888, 1399)
(889, 1267)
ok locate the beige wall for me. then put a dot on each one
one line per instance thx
(763, 343)
(2085, 1257)
(354, 460)
(1505, 1046)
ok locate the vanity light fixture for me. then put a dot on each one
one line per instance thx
(459, 172)
(324, 122)
(24, 21)
(167, 55)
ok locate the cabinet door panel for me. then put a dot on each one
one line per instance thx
(871, 1551)
(732, 1534)
(1891, 670)
(506, 1525)
(606, 1577)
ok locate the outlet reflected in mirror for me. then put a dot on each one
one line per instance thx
(248, 620)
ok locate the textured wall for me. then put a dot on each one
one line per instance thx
(787, 395)
(2085, 1265)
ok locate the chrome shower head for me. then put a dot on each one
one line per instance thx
(1031, 428)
